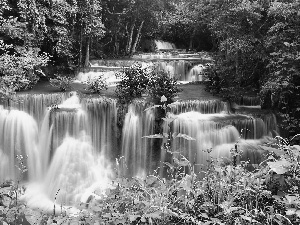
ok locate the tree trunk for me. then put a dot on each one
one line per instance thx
(192, 39)
(137, 38)
(80, 48)
(87, 55)
(116, 45)
(129, 42)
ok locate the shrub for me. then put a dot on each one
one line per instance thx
(139, 80)
(133, 83)
(19, 67)
(160, 84)
(96, 85)
(61, 82)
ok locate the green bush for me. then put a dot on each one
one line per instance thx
(141, 80)
(61, 82)
(133, 83)
(160, 84)
(19, 68)
(96, 85)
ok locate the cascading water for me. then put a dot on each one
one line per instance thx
(163, 45)
(68, 144)
(196, 73)
(56, 154)
(137, 151)
(183, 66)
(102, 117)
(215, 130)
(18, 137)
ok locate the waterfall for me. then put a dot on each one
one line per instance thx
(182, 66)
(102, 125)
(196, 73)
(249, 100)
(175, 68)
(74, 169)
(48, 140)
(137, 150)
(163, 45)
(215, 129)
(68, 143)
(18, 138)
(204, 106)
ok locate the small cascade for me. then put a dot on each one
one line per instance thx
(35, 104)
(183, 66)
(68, 119)
(74, 169)
(102, 126)
(248, 101)
(57, 153)
(215, 129)
(45, 138)
(196, 73)
(163, 45)
(67, 123)
(109, 76)
(18, 141)
(206, 107)
(137, 150)
(207, 134)
(175, 68)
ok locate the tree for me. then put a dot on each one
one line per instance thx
(128, 21)
(20, 56)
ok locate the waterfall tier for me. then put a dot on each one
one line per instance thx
(68, 143)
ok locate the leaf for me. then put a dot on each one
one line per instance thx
(290, 211)
(249, 219)
(185, 136)
(169, 165)
(280, 167)
(132, 218)
(154, 136)
(32, 216)
(6, 200)
(271, 149)
(152, 107)
(143, 219)
(150, 180)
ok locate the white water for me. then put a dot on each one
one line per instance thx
(183, 66)
(68, 149)
(58, 155)
(137, 151)
(163, 45)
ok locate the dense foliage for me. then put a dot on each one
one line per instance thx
(139, 80)
(63, 83)
(96, 85)
(258, 51)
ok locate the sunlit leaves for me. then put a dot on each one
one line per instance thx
(280, 167)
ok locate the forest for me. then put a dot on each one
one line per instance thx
(255, 43)
(255, 46)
